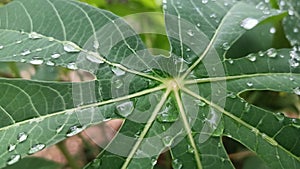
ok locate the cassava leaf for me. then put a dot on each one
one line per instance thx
(184, 102)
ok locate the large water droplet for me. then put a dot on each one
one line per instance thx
(71, 47)
(226, 46)
(36, 61)
(117, 83)
(11, 147)
(125, 109)
(55, 55)
(13, 159)
(177, 164)
(25, 52)
(72, 66)
(36, 148)
(249, 23)
(74, 130)
(167, 140)
(272, 53)
(94, 57)
(34, 35)
(117, 71)
(22, 137)
(296, 90)
(252, 57)
(190, 32)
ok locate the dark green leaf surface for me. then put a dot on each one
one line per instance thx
(185, 102)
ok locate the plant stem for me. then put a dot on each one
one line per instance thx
(14, 69)
(71, 161)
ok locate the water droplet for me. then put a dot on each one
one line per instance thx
(34, 35)
(293, 63)
(291, 12)
(213, 15)
(272, 30)
(279, 116)
(230, 61)
(226, 46)
(74, 130)
(252, 57)
(190, 149)
(295, 30)
(55, 55)
(261, 53)
(200, 103)
(247, 107)
(176, 164)
(1, 46)
(249, 23)
(277, 156)
(25, 52)
(204, 1)
(272, 53)
(18, 42)
(249, 84)
(50, 63)
(96, 44)
(190, 33)
(117, 71)
(117, 83)
(13, 159)
(36, 148)
(71, 47)
(188, 49)
(198, 25)
(222, 159)
(125, 109)
(153, 161)
(11, 147)
(39, 49)
(296, 90)
(72, 66)
(59, 129)
(231, 95)
(36, 61)
(94, 57)
(22, 137)
(167, 140)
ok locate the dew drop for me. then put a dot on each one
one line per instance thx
(18, 42)
(22, 137)
(74, 130)
(291, 12)
(230, 61)
(1, 46)
(272, 30)
(204, 1)
(226, 46)
(13, 159)
(167, 140)
(71, 47)
(200, 103)
(39, 49)
(72, 66)
(36, 61)
(190, 149)
(190, 32)
(50, 63)
(296, 90)
(11, 147)
(117, 71)
(249, 23)
(231, 95)
(34, 35)
(176, 164)
(55, 55)
(167, 115)
(198, 25)
(295, 30)
(272, 53)
(279, 116)
(252, 57)
(94, 57)
(249, 84)
(36, 148)
(293, 63)
(125, 109)
(25, 52)
(117, 83)
(153, 161)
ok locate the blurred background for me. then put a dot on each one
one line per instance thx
(77, 151)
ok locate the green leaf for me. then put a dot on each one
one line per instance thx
(37, 163)
(184, 103)
(291, 23)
